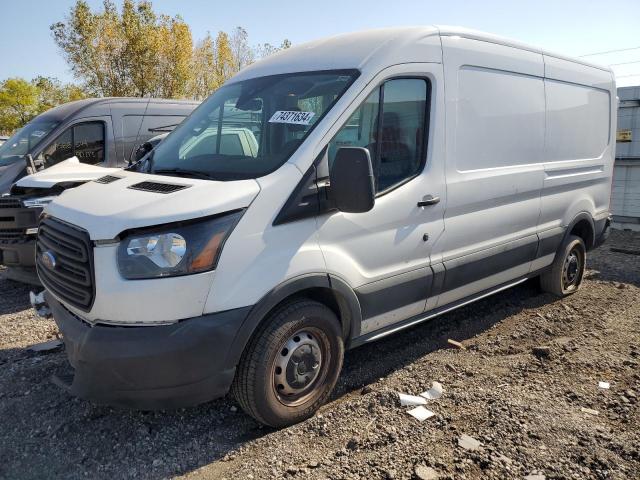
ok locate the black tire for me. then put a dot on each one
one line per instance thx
(566, 273)
(278, 396)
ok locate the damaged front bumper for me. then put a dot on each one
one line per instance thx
(18, 228)
(151, 367)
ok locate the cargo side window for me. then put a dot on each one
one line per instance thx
(85, 141)
(394, 134)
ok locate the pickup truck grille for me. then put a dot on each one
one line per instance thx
(9, 234)
(64, 259)
(10, 203)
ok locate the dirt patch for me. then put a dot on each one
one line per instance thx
(526, 388)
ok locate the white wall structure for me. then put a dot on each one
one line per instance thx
(625, 195)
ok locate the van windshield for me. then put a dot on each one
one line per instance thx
(250, 128)
(24, 141)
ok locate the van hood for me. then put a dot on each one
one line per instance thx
(107, 209)
(70, 170)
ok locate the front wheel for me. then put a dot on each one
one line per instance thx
(567, 270)
(291, 365)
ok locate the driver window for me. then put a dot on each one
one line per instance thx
(85, 141)
(393, 136)
(60, 149)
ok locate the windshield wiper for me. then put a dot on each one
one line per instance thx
(182, 172)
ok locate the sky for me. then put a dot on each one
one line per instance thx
(571, 27)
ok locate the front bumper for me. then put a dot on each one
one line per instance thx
(150, 368)
(17, 249)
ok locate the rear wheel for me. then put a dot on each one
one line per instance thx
(291, 365)
(567, 270)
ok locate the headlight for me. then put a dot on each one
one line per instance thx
(38, 202)
(178, 249)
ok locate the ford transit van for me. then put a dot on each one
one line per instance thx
(95, 133)
(394, 175)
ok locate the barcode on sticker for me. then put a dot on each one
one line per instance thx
(290, 116)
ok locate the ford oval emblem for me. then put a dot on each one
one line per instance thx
(48, 260)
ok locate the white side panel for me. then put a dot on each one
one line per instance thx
(258, 256)
(579, 142)
(495, 136)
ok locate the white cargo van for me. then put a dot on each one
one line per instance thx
(397, 174)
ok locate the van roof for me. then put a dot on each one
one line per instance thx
(376, 49)
(64, 111)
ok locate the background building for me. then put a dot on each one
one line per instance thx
(625, 196)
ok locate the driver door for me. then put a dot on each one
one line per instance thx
(386, 254)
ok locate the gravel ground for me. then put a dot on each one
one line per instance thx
(532, 363)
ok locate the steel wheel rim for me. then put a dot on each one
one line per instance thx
(300, 364)
(572, 269)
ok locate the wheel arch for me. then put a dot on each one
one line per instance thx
(321, 287)
(582, 226)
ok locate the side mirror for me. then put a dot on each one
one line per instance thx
(141, 151)
(351, 180)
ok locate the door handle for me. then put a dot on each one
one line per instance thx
(429, 200)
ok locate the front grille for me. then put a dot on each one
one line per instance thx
(7, 234)
(10, 203)
(107, 179)
(157, 187)
(72, 277)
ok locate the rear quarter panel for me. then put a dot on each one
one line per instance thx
(579, 142)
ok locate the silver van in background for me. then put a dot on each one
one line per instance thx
(105, 132)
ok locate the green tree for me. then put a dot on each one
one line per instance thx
(136, 52)
(226, 65)
(204, 80)
(243, 54)
(18, 103)
(51, 92)
(174, 58)
(266, 49)
(130, 53)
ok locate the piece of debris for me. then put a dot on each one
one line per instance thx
(420, 413)
(456, 344)
(541, 316)
(503, 385)
(468, 443)
(535, 476)
(604, 385)
(590, 411)
(541, 352)
(36, 299)
(426, 473)
(434, 392)
(410, 400)
(43, 312)
(49, 346)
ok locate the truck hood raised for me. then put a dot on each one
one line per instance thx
(106, 210)
(70, 170)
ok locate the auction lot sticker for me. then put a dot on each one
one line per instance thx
(293, 117)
